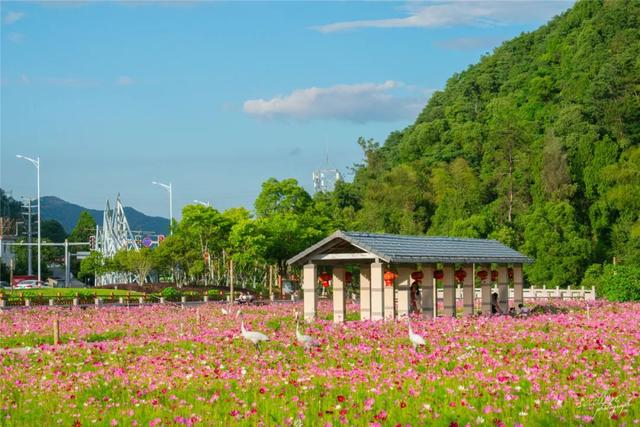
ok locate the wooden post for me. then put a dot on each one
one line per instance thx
(231, 279)
(503, 289)
(518, 285)
(389, 300)
(56, 330)
(198, 317)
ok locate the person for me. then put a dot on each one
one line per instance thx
(495, 307)
(522, 310)
(415, 293)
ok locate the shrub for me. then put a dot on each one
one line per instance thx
(619, 283)
(171, 294)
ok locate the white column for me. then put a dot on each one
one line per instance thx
(404, 290)
(427, 294)
(377, 291)
(449, 293)
(309, 280)
(503, 289)
(365, 292)
(468, 292)
(486, 293)
(339, 300)
(518, 288)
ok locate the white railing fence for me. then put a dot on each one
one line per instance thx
(581, 293)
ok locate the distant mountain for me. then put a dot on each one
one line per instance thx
(67, 214)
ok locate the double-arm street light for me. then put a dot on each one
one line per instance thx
(169, 189)
(36, 163)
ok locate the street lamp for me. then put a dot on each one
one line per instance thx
(36, 163)
(169, 189)
(207, 204)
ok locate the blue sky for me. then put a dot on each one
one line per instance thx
(217, 97)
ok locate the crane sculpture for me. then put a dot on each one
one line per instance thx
(416, 340)
(255, 337)
(305, 340)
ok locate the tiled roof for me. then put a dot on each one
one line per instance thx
(401, 249)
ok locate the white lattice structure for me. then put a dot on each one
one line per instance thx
(114, 235)
(324, 180)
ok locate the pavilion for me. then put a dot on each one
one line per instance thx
(390, 263)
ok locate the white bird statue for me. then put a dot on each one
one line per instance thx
(306, 340)
(416, 340)
(253, 336)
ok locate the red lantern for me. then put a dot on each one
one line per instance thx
(438, 274)
(325, 277)
(494, 275)
(460, 275)
(348, 277)
(294, 277)
(510, 273)
(482, 274)
(389, 277)
(417, 276)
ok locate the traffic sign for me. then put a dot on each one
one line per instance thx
(147, 242)
(82, 254)
(160, 238)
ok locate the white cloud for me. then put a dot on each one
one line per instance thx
(125, 81)
(13, 17)
(15, 37)
(474, 13)
(364, 102)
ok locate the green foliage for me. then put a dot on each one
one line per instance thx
(171, 294)
(53, 231)
(619, 283)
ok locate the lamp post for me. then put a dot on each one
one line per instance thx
(207, 204)
(169, 189)
(36, 163)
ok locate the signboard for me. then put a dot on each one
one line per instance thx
(82, 254)
(147, 242)
(160, 238)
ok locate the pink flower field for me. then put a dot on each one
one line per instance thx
(167, 365)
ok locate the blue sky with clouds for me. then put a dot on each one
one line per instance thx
(217, 97)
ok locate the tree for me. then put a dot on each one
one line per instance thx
(554, 239)
(53, 231)
(85, 227)
(139, 262)
(284, 196)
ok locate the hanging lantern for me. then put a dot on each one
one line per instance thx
(460, 275)
(438, 274)
(348, 277)
(389, 277)
(294, 278)
(510, 273)
(494, 275)
(482, 274)
(324, 278)
(417, 276)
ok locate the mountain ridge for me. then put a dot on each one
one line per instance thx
(67, 213)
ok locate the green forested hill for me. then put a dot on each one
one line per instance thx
(537, 146)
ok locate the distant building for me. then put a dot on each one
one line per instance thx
(324, 180)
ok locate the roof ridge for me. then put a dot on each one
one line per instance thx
(413, 236)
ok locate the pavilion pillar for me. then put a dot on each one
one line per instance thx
(427, 291)
(404, 290)
(339, 300)
(309, 280)
(468, 291)
(377, 291)
(518, 291)
(449, 291)
(390, 301)
(503, 289)
(365, 292)
(486, 293)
